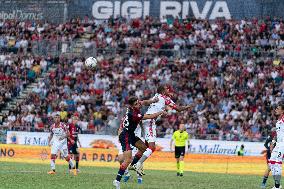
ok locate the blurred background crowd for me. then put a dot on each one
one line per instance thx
(235, 69)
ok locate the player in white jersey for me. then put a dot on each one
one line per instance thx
(276, 158)
(58, 142)
(149, 126)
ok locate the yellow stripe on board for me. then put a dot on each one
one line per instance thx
(158, 161)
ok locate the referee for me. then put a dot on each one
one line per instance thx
(180, 137)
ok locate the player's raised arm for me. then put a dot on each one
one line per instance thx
(183, 108)
(153, 116)
(148, 102)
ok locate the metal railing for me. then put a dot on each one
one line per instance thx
(57, 48)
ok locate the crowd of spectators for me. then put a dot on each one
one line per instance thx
(235, 75)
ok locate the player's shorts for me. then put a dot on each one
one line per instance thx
(127, 140)
(149, 130)
(179, 151)
(277, 154)
(73, 149)
(59, 146)
(120, 152)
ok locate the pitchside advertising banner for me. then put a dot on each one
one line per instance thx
(60, 10)
(163, 144)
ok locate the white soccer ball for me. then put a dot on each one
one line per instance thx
(91, 62)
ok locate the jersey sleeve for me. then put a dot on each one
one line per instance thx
(137, 117)
(170, 103)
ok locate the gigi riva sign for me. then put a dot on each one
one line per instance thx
(137, 9)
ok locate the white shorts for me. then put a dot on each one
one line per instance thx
(149, 130)
(277, 153)
(60, 146)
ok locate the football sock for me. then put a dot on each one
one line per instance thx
(145, 155)
(264, 179)
(52, 164)
(181, 164)
(136, 158)
(71, 163)
(178, 167)
(121, 171)
(277, 179)
(126, 172)
(70, 166)
(77, 162)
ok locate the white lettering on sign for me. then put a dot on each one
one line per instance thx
(102, 9)
(131, 9)
(203, 14)
(170, 8)
(220, 10)
(20, 15)
(137, 9)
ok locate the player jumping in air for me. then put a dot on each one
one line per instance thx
(58, 142)
(149, 126)
(180, 137)
(127, 136)
(276, 159)
(269, 145)
(73, 140)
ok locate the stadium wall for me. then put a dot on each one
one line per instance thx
(61, 10)
(163, 144)
(158, 161)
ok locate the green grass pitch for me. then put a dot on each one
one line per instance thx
(34, 176)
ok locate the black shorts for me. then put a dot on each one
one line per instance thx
(179, 151)
(73, 149)
(127, 140)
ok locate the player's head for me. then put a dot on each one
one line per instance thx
(280, 109)
(165, 90)
(181, 127)
(75, 118)
(134, 102)
(162, 89)
(57, 118)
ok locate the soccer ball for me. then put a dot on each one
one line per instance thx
(91, 62)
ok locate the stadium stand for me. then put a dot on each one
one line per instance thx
(232, 66)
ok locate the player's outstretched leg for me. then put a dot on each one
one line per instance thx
(77, 159)
(127, 160)
(121, 160)
(265, 177)
(146, 155)
(71, 164)
(136, 158)
(276, 169)
(52, 164)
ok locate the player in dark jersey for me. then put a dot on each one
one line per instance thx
(74, 130)
(127, 137)
(269, 145)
